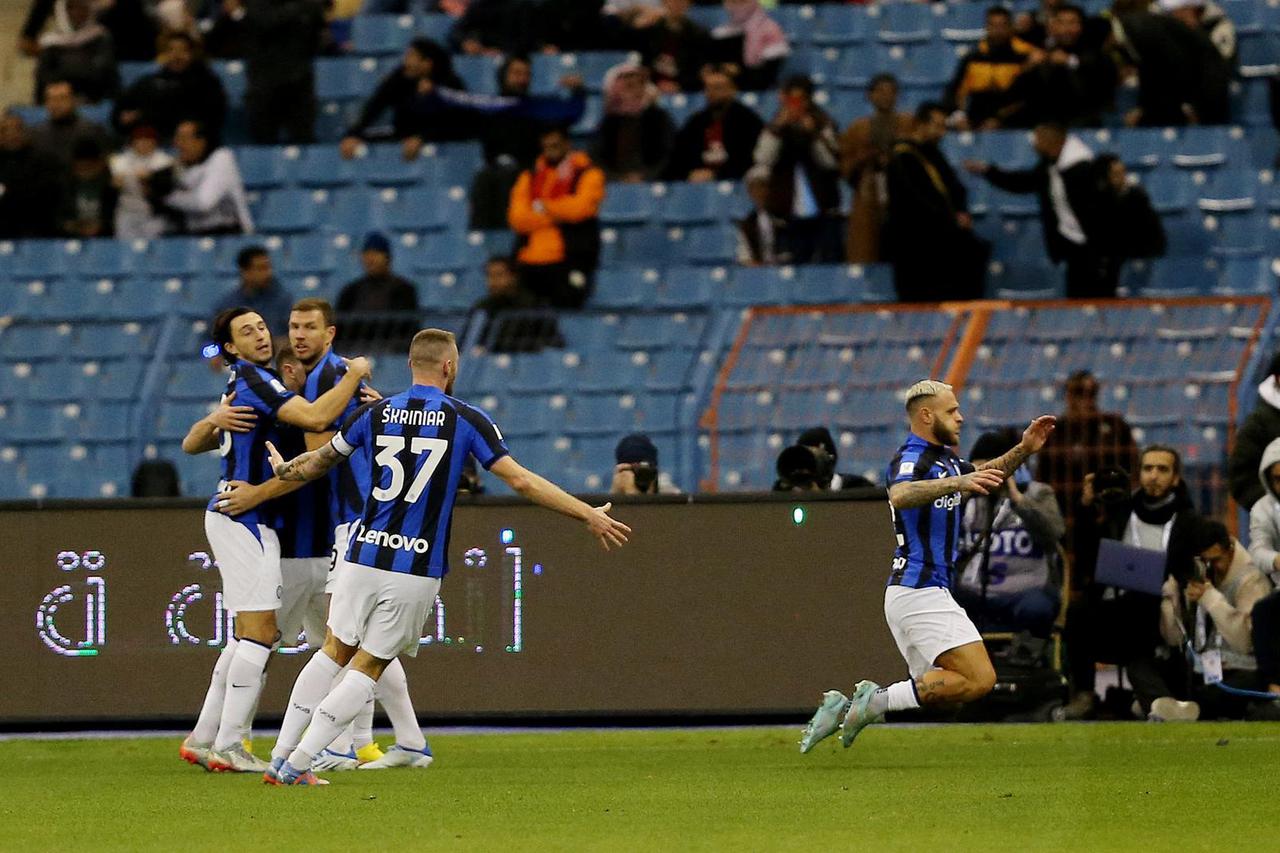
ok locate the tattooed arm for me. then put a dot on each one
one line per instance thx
(311, 465)
(1033, 438)
(921, 492)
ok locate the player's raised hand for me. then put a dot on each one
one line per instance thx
(369, 394)
(360, 366)
(982, 482)
(237, 498)
(277, 461)
(1035, 435)
(608, 530)
(229, 418)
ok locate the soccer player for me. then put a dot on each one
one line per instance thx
(943, 650)
(311, 333)
(246, 546)
(416, 442)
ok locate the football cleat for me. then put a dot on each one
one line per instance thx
(399, 756)
(272, 774)
(858, 717)
(193, 754)
(330, 760)
(236, 760)
(1166, 708)
(286, 774)
(369, 752)
(825, 721)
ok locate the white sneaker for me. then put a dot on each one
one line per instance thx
(236, 760)
(859, 716)
(399, 756)
(825, 721)
(1166, 708)
(330, 760)
(194, 753)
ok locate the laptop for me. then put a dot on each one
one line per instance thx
(1129, 567)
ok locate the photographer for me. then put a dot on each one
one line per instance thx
(1114, 625)
(1009, 571)
(1212, 610)
(810, 465)
(636, 471)
(1264, 547)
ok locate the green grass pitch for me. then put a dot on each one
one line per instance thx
(1149, 787)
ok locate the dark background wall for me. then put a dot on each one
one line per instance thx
(715, 608)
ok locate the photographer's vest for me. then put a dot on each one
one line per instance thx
(1015, 561)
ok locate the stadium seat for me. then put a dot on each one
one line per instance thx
(113, 379)
(32, 342)
(1239, 234)
(840, 25)
(758, 286)
(1170, 190)
(177, 256)
(625, 287)
(628, 204)
(690, 204)
(381, 35)
(1201, 147)
(1026, 278)
(1144, 147)
(322, 166)
(385, 166)
(823, 285)
(353, 210)
(417, 209)
(444, 251)
(928, 65)
(1172, 277)
(345, 78)
(706, 244)
(478, 73)
(907, 22)
(1229, 190)
(1185, 233)
(288, 211)
(691, 287)
(1247, 277)
(965, 23)
(40, 259)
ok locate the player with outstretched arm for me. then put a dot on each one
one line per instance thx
(943, 650)
(417, 442)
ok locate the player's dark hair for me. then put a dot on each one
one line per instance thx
(1209, 532)
(802, 82)
(1057, 128)
(315, 303)
(926, 110)
(286, 355)
(1164, 448)
(245, 257)
(222, 329)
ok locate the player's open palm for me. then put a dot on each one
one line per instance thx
(229, 418)
(1035, 435)
(277, 461)
(237, 498)
(982, 482)
(608, 530)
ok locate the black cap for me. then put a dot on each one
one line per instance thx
(819, 437)
(636, 448)
(993, 445)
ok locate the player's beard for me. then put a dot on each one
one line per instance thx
(448, 386)
(944, 436)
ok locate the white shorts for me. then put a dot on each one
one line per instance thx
(302, 605)
(341, 539)
(249, 565)
(382, 612)
(925, 623)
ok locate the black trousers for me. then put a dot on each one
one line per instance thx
(282, 112)
(558, 285)
(1089, 274)
(819, 240)
(1266, 638)
(1124, 631)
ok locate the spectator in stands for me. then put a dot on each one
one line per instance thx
(65, 126)
(635, 471)
(132, 172)
(1182, 78)
(30, 183)
(1264, 516)
(283, 38)
(636, 134)
(1259, 429)
(718, 142)
(79, 51)
(182, 87)
(1116, 625)
(763, 239)
(752, 42)
(133, 32)
(1086, 440)
(89, 204)
(258, 289)
(365, 302)
(674, 48)
(1129, 226)
(497, 27)
(225, 31)
(554, 210)
(979, 93)
(1064, 179)
(823, 457)
(1213, 611)
(501, 332)
(1209, 18)
(1033, 28)
(569, 25)
(865, 148)
(1071, 81)
(208, 190)
(928, 233)
(801, 151)
(1012, 574)
(425, 64)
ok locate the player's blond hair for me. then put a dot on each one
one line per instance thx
(923, 390)
(431, 346)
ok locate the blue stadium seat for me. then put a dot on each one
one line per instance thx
(1247, 277)
(381, 35)
(353, 210)
(840, 25)
(637, 246)
(965, 23)
(1171, 277)
(688, 204)
(1026, 278)
(856, 67)
(316, 252)
(1252, 103)
(177, 256)
(444, 251)
(1011, 149)
(345, 78)
(31, 342)
(1240, 234)
(599, 414)
(1245, 15)
(1259, 57)
(661, 331)
(1144, 147)
(113, 379)
(758, 286)
(111, 340)
(323, 166)
(198, 474)
(628, 204)
(449, 291)
(103, 420)
(418, 209)
(609, 371)
(194, 379)
(176, 417)
(478, 73)
(32, 425)
(434, 25)
(261, 167)
(668, 371)
(625, 287)
(286, 211)
(1201, 147)
(907, 22)
(1185, 233)
(707, 244)
(385, 166)
(1170, 190)
(691, 287)
(106, 258)
(1229, 190)
(796, 21)
(823, 285)
(928, 65)
(40, 259)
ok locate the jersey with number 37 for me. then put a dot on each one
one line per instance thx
(416, 444)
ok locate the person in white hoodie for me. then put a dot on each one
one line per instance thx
(1264, 546)
(1258, 430)
(209, 193)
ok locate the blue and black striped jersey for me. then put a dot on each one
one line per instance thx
(244, 454)
(305, 527)
(416, 444)
(928, 536)
(341, 488)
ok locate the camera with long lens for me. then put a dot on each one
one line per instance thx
(646, 477)
(803, 469)
(1111, 486)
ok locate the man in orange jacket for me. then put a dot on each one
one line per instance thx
(554, 209)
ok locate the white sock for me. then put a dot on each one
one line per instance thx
(211, 711)
(335, 713)
(344, 742)
(308, 691)
(899, 696)
(361, 731)
(393, 694)
(244, 686)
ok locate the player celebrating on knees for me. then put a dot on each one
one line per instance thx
(416, 443)
(942, 648)
(246, 546)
